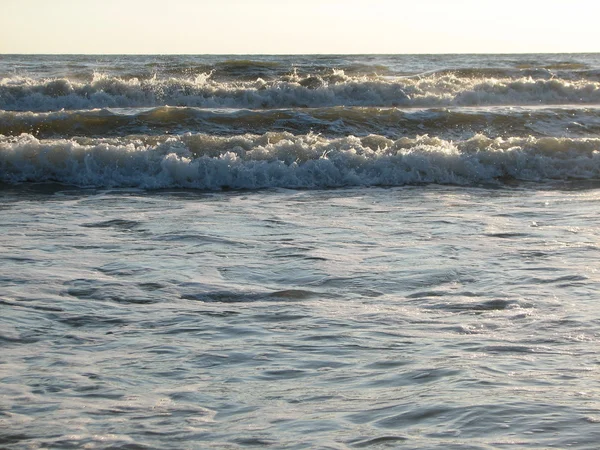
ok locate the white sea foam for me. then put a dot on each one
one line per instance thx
(434, 90)
(284, 160)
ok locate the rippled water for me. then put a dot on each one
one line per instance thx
(413, 317)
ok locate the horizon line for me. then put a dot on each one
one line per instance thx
(300, 54)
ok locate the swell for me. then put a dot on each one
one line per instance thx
(293, 91)
(562, 72)
(446, 123)
(284, 160)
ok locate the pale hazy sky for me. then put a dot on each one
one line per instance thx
(307, 26)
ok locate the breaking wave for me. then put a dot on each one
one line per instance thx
(336, 88)
(288, 161)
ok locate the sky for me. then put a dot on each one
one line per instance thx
(298, 27)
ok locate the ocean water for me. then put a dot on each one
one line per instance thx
(296, 252)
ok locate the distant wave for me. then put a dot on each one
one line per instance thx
(444, 89)
(289, 161)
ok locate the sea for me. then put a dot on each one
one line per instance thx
(300, 252)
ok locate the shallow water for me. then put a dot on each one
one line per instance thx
(421, 317)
